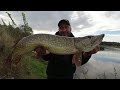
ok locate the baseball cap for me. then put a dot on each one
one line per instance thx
(63, 21)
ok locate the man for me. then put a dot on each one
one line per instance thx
(63, 66)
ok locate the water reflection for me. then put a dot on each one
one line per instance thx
(108, 55)
(102, 65)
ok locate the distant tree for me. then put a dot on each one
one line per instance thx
(115, 44)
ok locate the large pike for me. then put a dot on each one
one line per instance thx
(55, 44)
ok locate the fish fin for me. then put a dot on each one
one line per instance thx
(77, 58)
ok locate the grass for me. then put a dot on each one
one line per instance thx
(34, 69)
(28, 68)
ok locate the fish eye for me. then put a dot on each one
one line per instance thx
(89, 36)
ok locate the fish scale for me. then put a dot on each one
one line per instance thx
(56, 44)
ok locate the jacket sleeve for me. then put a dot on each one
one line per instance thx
(85, 59)
(47, 57)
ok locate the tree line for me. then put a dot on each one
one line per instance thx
(114, 44)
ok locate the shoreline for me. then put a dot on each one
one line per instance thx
(102, 48)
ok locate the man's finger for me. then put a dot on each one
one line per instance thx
(96, 49)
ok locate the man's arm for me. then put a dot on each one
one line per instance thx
(85, 56)
(42, 53)
(47, 57)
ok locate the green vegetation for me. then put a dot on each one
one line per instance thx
(110, 44)
(28, 68)
(104, 45)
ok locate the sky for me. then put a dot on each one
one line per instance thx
(83, 23)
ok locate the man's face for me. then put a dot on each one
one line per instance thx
(65, 30)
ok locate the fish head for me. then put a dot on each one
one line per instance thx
(88, 43)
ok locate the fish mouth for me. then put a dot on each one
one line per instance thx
(102, 35)
(99, 39)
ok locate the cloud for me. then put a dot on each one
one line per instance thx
(83, 22)
(107, 31)
(43, 20)
(112, 14)
(46, 20)
(112, 38)
(16, 16)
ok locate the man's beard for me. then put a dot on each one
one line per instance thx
(64, 33)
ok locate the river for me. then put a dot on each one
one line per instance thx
(102, 65)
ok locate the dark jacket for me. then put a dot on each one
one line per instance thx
(61, 65)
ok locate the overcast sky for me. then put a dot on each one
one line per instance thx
(82, 22)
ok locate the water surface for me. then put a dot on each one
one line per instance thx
(103, 64)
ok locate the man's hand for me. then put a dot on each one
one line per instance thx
(40, 51)
(78, 55)
(94, 51)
